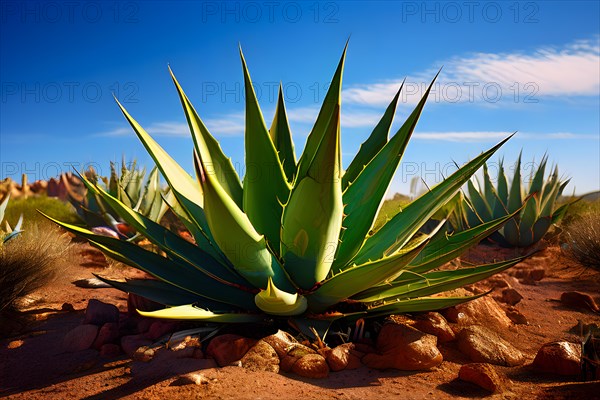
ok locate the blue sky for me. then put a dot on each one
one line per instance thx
(531, 67)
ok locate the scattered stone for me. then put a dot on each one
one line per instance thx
(99, 313)
(561, 358)
(311, 366)
(261, 357)
(144, 354)
(131, 343)
(482, 345)
(67, 307)
(159, 329)
(144, 324)
(281, 341)
(528, 275)
(516, 316)
(91, 283)
(15, 344)
(434, 324)
(109, 333)
(579, 300)
(294, 353)
(80, 338)
(537, 274)
(228, 348)
(403, 347)
(343, 357)
(110, 350)
(193, 378)
(497, 282)
(510, 296)
(484, 310)
(482, 375)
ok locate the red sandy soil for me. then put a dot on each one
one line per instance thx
(38, 369)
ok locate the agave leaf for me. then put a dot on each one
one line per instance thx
(528, 217)
(171, 243)
(489, 191)
(421, 304)
(538, 179)
(445, 247)
(277, 302)
(319, 130)
(403, 225)
(540, 228)
(164, 293)
(515, 196)
(502, 184)
(244, 247)
(210, 149)
(481, 207)
(177, 273)
(511, 232)
(433, 282)
(375, 142)
(265, 183)
(15, 231)
(281, 136)
(185, 189)
(363, 198)
(192, 313)
(313, 216)
(361, 277)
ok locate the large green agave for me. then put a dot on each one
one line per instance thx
(293, 240)
(537, 204)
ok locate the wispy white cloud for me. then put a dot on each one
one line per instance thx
(570, 70)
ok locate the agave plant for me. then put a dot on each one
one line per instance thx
(7, 233)
(131, 187)
(293, 240)
(538, 204)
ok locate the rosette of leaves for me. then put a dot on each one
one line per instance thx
(292, 240)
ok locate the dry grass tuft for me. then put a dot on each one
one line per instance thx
(583, 240)
(30, 261)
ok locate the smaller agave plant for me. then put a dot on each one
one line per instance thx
(131, 187)
(292, 239)
(537, 204)
(7, 233)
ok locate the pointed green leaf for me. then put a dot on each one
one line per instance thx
(332, 100)
(265, 184)
(538, 180)
(540, 228)
(502, 184)
(375, 142)
(193, 313)
(364, 196)
(361, 277)
(244, 247)
(281, 135)
(210, 149)
(418, 305)
(515, 196)
(313, 216)
(403, 225)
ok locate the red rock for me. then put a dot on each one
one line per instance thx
(516, 316)
(110, 350)
(485, 346)
(159, 329)
(482, 375)
(228, 348)
(80, 338)
(67, 307)
(131, 343)
(344, 356)
(484, 310)
(510, 296)
(144, 324)
(562, 358)
(403, 347)
(108, 333)
(434, 324)
(579, 300)
(311, 366)
(261, 357)
(99, 313)
(281, 341)
(497, 282)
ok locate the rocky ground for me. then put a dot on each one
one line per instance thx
(520, 341)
